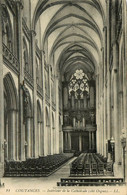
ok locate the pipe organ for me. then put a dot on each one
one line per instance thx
(79, 114)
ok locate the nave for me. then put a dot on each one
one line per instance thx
(63, 88)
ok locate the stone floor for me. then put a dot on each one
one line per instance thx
(48, 185)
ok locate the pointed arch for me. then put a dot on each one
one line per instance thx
(7, 32)
(47, 119)
(10, 118)
(10, 91)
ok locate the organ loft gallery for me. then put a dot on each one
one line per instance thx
(63, 92)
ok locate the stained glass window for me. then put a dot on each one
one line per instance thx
(78, 84)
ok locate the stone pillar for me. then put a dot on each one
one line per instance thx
(65, 141)
(57, 114)
(61, 140)
(91, 96)
(41, 140)
(125, 79)
(108, 98)
(6, 149)
(85, 99)
(44, 100)
(39, 134)
(28, 129)
(32, 139)
(102, 125)
(116, 133)
(80, 142)
(69, 141)
(93, 141)
(12, 135)
(40, 152)
(65, 94)
(21, 79)
(105, 89)
(73, 101)
(74, 120)
(90, 141)
(83, 122)
(50, 109)
(35, 130)
(79, 123)
(79, 104)
(53, 131)
(97, 112)
(17, 136)
(49, 138)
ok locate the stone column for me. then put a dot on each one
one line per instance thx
(97, 112)
(28, 129)
(102, 125)
(33, 54)
(116, 133)
(79, 104)
(61, 141)
(32, 139)
(57, 113)
(85, 100)
(41, 140)
(93, 141)
(38, 137)
(73, 101)
(65, 94)
(125, 78)
(50, 109)
(105, 90)
(53, 130)
(21, 79)
(78, 123)
(90, 144)
(65, 141)
(91, 96)
(80, 142)
(12, 134)
(108, 77)
(17, 136)
(6, 155)
(49, 138)
(44, 99)
(74, 120)
(83, 121)
(69, 141)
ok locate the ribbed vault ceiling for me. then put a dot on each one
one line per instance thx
(72, 33)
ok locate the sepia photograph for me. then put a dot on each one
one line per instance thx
(63, 97)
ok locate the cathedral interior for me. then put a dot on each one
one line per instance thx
(63, 88)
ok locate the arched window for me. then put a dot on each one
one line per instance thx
(25, 56)
(78, 84)
(37, 71)
(7, 35)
